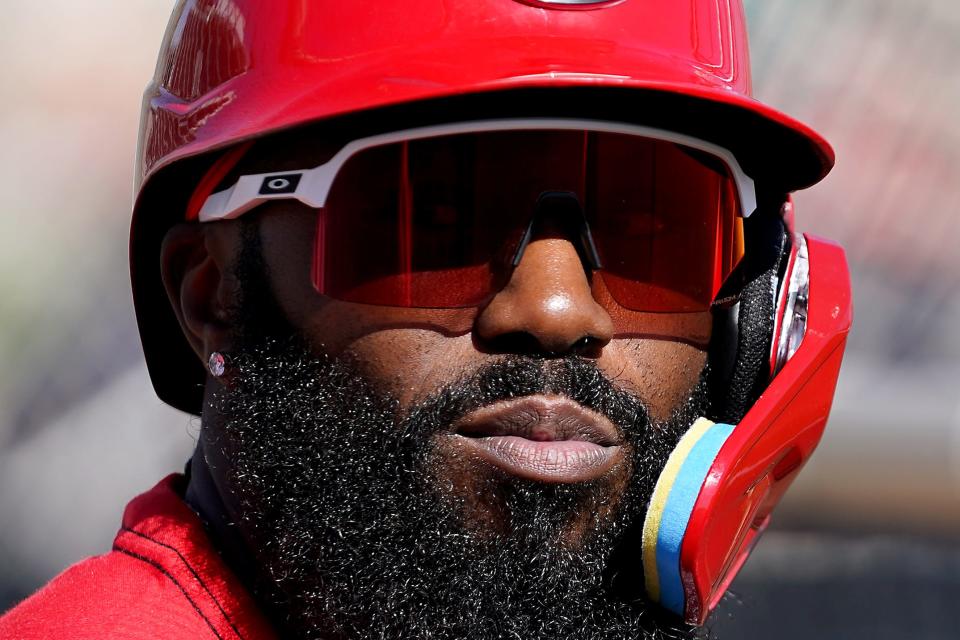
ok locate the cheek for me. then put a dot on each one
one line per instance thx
(412, 363)
(663, 373)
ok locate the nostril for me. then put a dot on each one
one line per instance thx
(518, 342)
(588, 347)
(524, 343)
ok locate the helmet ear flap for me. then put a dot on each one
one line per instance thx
(742, 333)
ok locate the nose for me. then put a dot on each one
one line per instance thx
(547, 306)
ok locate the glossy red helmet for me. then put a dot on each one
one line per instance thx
(235, 70)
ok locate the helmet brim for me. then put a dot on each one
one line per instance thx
(246, 106)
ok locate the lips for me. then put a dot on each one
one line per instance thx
(541, 438)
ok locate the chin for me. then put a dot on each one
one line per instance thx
(491, 502)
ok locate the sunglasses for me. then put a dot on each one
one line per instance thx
(437, 217)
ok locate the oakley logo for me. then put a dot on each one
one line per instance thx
(274, 185)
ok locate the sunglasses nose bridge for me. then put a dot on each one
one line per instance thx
(559, 213)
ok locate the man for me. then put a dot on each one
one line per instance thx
(454, 287)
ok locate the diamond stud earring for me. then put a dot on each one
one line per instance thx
(216, 364)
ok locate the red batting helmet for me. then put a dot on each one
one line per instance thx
(234, 70)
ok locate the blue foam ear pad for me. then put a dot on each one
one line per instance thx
(670, 507)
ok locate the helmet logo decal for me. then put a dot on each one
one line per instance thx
(277, 184)
(571, 4)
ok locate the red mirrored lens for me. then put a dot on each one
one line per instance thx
(665, 221)
(436, 222)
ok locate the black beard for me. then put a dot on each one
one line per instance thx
(353, 537)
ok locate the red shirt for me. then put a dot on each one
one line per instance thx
(163, 579)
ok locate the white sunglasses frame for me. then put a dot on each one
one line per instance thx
(314, 184)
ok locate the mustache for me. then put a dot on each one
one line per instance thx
(257, 368)
(285, 379)
(301, 393)
(516, 376)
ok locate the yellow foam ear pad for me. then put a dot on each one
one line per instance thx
(670, 507)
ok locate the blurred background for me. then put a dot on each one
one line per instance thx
(866, 544)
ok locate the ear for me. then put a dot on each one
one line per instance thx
(194, 260)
